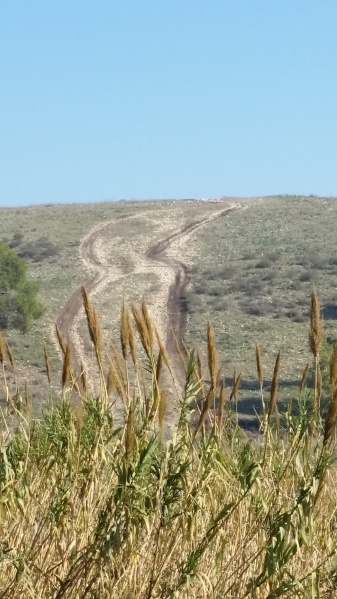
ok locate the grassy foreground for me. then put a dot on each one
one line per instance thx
(90, 508)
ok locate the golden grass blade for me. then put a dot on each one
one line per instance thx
(84, 380)
(2, 348)
(93, 326)
(60, 339)
(315, 343)
(159, 367)
(120, 367)
(110, 383)
(163, 352)
(142, 330)
(129, 433)
(148, 323)
(66, 374)
(115, 381)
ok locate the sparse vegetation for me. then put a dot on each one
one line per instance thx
(277, 249)
(295, 235)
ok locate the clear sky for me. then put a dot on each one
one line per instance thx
(142, 99)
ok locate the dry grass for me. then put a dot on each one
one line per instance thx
(90, 508)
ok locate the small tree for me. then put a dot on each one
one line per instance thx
(19, 305)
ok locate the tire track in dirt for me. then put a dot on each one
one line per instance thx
(171, 321)
(177, 303)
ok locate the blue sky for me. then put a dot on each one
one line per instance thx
(166, 99)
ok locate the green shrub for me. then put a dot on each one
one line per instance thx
(19, 305)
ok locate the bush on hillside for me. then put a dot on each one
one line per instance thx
(19, 305)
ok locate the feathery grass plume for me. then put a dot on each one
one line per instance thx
(84, 380)
(211, 353)
(259, 364)
(124, 332)
(93, 326)
(110, 382)
(130, 433)
(120, 367)
(274, 387)
(315, 343)
(10, 355)
(60, 339)
(222, 399)
(148, 322)
(162, 408)
(66, 374)
(304, 378)
(163, 352)
(316, 325)
(142, 330)
(47, 364)
(236, 386)
(127, 334)
(333, 368)
(2, 349)
(132, 341)
(115, 380)
(155, 390)
(159, 366)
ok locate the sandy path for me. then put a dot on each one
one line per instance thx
(169, 306)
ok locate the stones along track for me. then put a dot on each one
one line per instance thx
(169, 309)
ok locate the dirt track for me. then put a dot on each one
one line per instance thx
(174, 282)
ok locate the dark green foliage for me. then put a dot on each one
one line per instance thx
(19, 305)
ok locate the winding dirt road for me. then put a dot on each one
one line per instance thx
(170, 309)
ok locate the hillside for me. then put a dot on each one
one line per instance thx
(246, 264)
